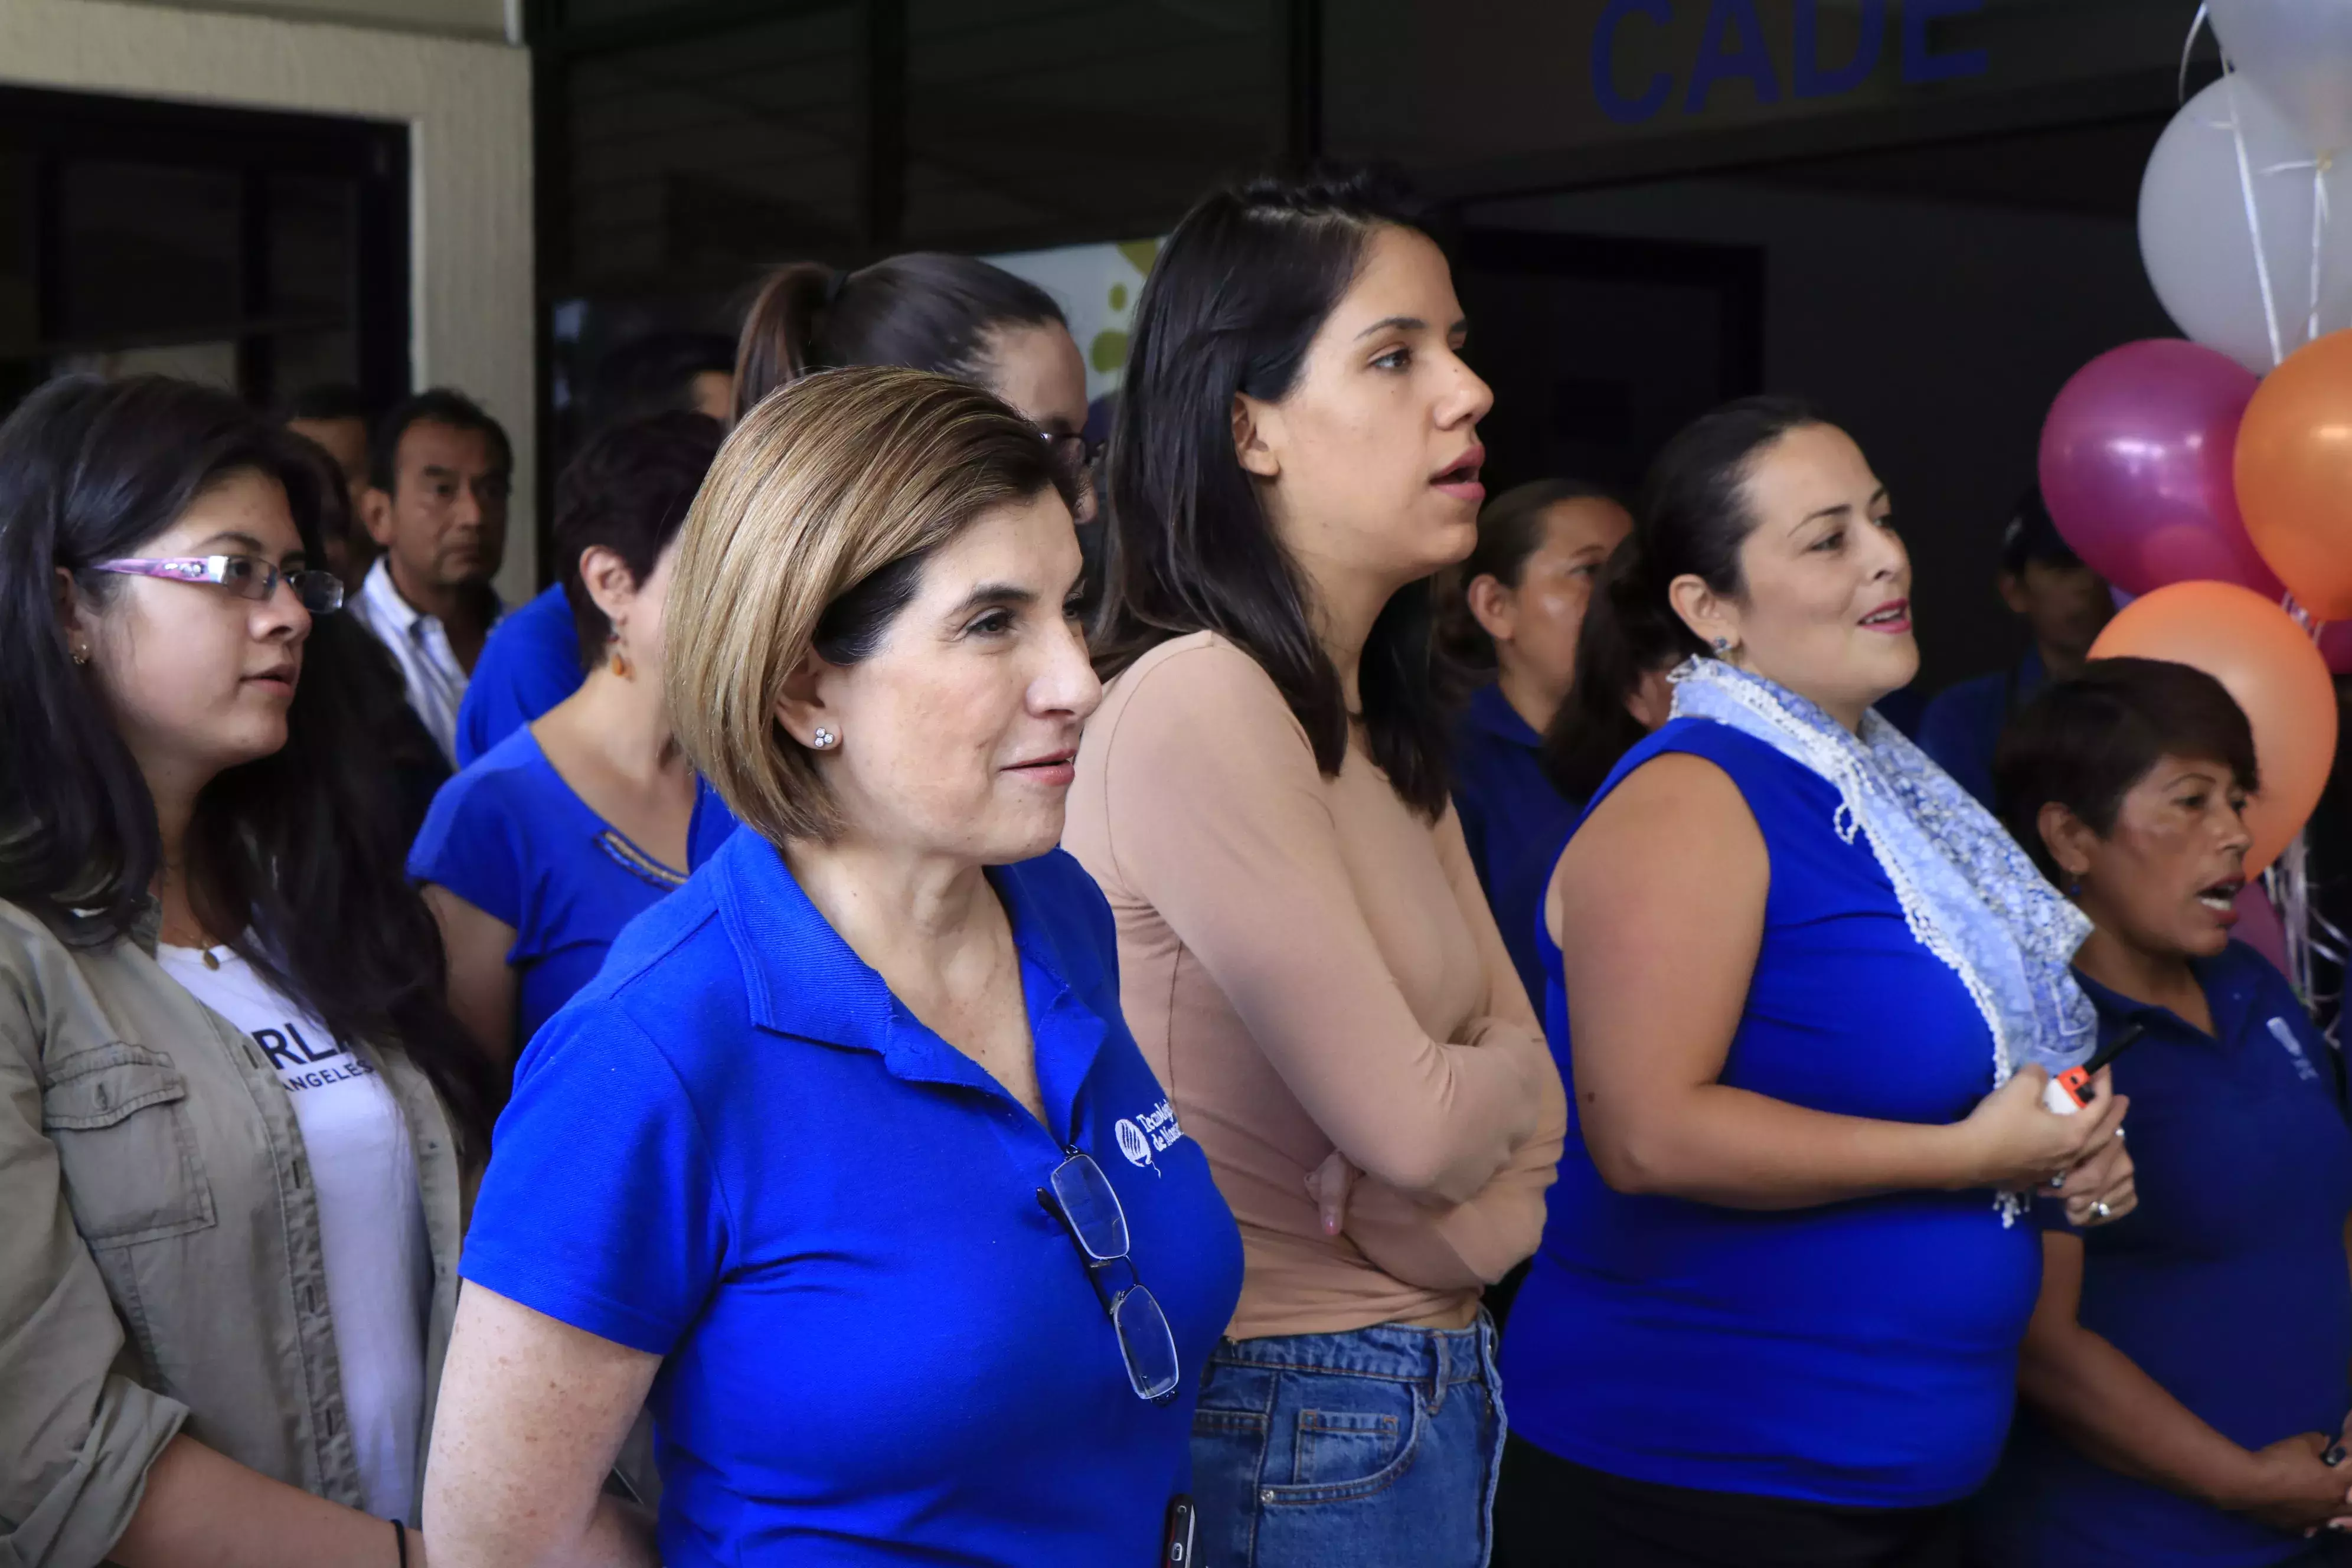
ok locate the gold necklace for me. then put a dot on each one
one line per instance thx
(204, 943)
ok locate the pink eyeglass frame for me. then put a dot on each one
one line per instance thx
(214, 569)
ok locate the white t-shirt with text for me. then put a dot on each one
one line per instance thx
(370, 1214)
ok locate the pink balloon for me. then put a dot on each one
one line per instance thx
(2258, 924)
(2336, 647)
(2136, 467)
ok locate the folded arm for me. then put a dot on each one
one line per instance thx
(1217, 816)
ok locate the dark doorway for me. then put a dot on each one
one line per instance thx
(261, 251)
(1599, 347)
(1931, 298)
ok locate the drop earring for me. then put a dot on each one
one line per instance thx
(823, 740)
(1723, 647)
(2075, 885)
(618, 660)
(81, 656)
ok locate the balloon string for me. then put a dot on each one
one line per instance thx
(2187, 48)
(2320, 168)
(2253, 217)
(2288, 884)
(2319, 215)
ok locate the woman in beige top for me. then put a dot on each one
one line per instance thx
(1305, 954)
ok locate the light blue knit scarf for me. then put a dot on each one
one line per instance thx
(1968, 891)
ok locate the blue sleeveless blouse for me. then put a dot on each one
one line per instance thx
(1860, 1354)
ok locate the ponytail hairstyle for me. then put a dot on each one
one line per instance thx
(1238, 293)
(300, 848)
(1695, 515)
(1510, 531)
(924, 310)
(1617, 648)
(1692, 519)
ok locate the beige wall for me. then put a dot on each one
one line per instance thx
(467, 107)
(457, 19)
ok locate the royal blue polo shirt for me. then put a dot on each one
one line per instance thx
(737, 1150)
(512, 839)
(530, 663)
(2228, 1284)
(1511, 816)
(1961, 727)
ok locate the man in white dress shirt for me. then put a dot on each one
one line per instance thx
(440, 470)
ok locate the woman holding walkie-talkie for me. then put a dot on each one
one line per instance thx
(2186, 1372)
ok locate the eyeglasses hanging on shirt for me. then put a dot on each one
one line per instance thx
(1083, 1199)
(246, 576)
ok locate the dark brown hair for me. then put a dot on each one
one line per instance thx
(1693, 518)
(628, 490)
(924, 310)
(299, 849)
(1510, 531)
(1616, 648)
(2086, 742)
(1235, 299)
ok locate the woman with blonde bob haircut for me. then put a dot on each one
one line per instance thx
(847, 1159)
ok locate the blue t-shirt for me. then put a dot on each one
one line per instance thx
(2226, 1285)
(530, 663)
(1860, 1353)
(1510, 814)
(509, 838)
(1962, 726)
(738, 1150)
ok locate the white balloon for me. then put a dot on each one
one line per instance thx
(2299, 53)
(2200, 252)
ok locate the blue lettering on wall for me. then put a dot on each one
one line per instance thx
(1750, 61)
(1732, 47)
(1918, 64)
(1615, 105)
(1809, 77)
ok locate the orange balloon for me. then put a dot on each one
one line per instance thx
(2294, 474)
(2273, 669)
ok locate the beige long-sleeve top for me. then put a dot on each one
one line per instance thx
(1309, 964)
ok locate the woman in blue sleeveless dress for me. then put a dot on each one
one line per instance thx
(1810, 997)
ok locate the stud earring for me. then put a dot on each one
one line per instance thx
(1722, 647)
(823, 740)
(81, 656)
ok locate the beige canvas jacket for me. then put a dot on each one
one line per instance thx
(160, 1262)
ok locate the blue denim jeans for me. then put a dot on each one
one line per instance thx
(1378, 1449)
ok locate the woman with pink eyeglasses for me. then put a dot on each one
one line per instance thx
(233, 1102)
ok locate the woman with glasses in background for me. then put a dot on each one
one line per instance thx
(956, 315)
(235, 1100)
(848, 1157)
